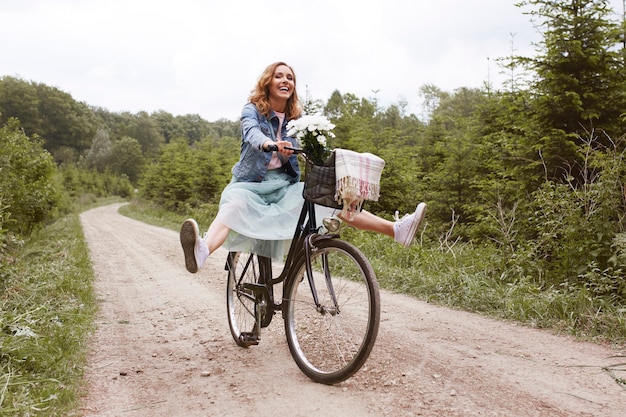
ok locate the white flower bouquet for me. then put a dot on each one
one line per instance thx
(313, 133)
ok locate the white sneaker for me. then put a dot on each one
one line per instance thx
(404, 229)
(194, 247)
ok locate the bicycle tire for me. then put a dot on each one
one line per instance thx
(245, 269)
(331, 344)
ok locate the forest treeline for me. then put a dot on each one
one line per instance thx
(533, 169)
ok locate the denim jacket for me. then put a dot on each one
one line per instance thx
(253, 161)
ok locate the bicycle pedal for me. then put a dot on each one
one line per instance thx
(250, 338)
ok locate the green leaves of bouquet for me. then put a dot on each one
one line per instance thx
(313, 132)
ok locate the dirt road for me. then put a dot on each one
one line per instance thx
(163, 348)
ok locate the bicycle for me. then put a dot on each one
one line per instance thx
(330, 302)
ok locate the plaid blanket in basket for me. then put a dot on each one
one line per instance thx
(357, 179)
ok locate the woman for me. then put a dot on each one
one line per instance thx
(259, 209)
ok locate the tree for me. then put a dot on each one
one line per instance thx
(226, 128)
(580, 79)
(28, 192)
(49, 113)
(168, 181)
(334, 105)
(451, 158)
(194, 127)
(65, 122)
(127, 158)
(19, 100)
(311, 106)
(432, 96)
(99, 155)
(145, 130)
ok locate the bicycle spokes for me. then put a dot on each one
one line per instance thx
(332, 321)
(329, 283)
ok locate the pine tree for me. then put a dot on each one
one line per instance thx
(580, 80)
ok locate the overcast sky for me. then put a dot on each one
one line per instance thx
(204, 56)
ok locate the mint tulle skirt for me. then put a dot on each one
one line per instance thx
(262, 216)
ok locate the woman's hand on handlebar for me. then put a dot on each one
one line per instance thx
(282, 146)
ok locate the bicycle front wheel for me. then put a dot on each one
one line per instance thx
(331, 339)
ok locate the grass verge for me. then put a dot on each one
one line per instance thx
(474, 278)
(47, 310)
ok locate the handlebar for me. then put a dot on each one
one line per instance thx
(274, 148)
(297, 151)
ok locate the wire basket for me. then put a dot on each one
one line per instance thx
(320, 182)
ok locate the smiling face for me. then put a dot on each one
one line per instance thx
(281, 87)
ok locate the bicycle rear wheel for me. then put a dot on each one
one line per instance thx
(246, 297)
(331, 341)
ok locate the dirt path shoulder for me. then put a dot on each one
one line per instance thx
(163, 348)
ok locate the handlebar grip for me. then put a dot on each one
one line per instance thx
(295, 150)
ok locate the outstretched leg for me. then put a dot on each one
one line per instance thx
(216, 235)
(402, 230)
(198, 249)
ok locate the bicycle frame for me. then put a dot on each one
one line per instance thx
(302, 244)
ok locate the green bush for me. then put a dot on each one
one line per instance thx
(575, 231)
(185, 177)
(28, 193)
(79, 182)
